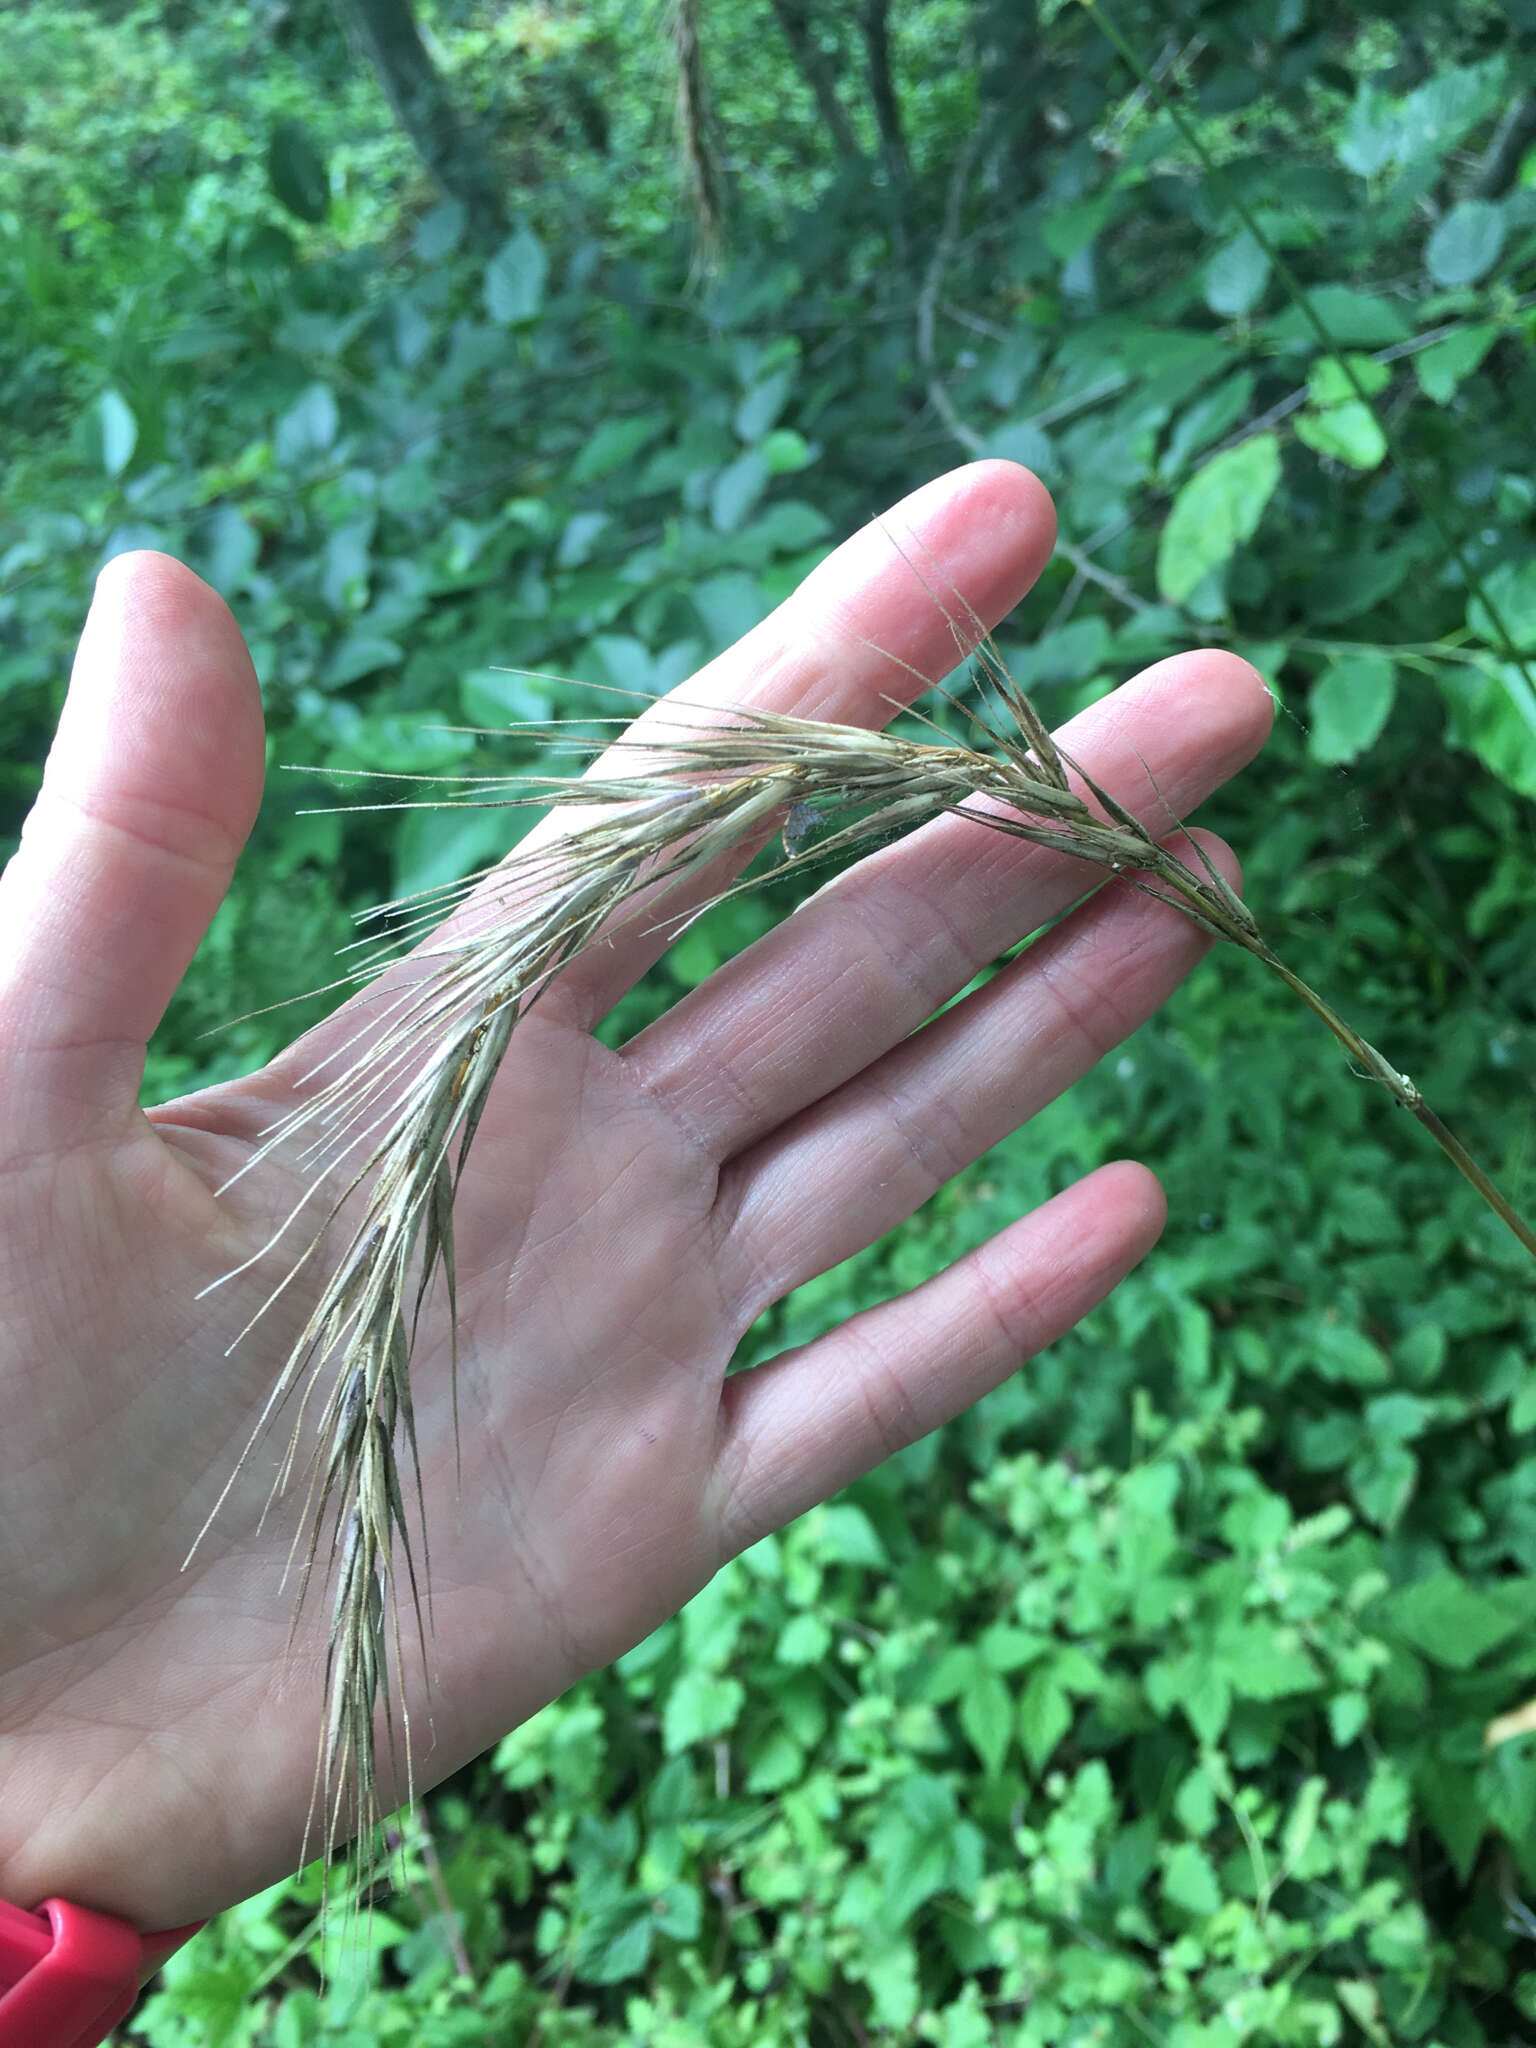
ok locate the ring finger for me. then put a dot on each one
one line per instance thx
(871, 958)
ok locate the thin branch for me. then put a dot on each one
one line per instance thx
(695, 136)
(1170, 57)
(1511, 139)
(1398, 350)
(944, 248)
(794, 19)
(963, 317)
(1086, 570)
(1084, 565)
(1067, 606)
(874, 24)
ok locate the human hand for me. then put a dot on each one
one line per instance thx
(623, 1218)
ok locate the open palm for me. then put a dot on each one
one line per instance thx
(623, 1218)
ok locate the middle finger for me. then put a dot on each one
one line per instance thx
(872, 957)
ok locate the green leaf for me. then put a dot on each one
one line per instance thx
(433, 847)
(361, 654)
(1453, 99)
(308, 427)
(1235, 277)
(336, 1945)
(1361, 2000)
(1210, 416)
(1352, 319)
(414, 332)
(700, 1706)
(1493, 716)
(761, 406)
(1522, 1409)
(515, 278)
(1189, 1880)
(233, 548)
(1197, 1686)
(1357, 580)
(890, 1971)
(196, 340)
(616, 1943)
(1045, 1715)
(1449, 1798)
(1325, 1442)
(119, 431)
(1068, 230)
(1349, 704)
(1335, 380)
(1268, 1666)
(1511, 591)
(1194, 1804)
(712, 1622)
(1023, 442)
(729, 606)
(912, 1844)
(1466, 243)
(613, 442)
(678, 1912)
(439, 232)
(1382, 1481)
(846, 1535)
(737, 489)
(1301, 1822)
(805, 1639)
(1077, 1672)
(209, 2006)
(296, 171)
(787, 526)
(1386, 1812)
(296, 2024)
(1442, 367)
(986, 1715)
(1369, 139)
(1005, 1648)
(1450, 1621)
(672, 1797)
(1367, 1216)
(777, 1761)
(784, 451)
(578, 537)
(1348, 433)
(958, 1668)
(1348, 1713)
(1214, 513)
(1340, 1353)
(1507, 1782)
(504, 697)
(1398, 1418)
(693, 959)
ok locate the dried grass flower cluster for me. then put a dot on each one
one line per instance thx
(384, 1134)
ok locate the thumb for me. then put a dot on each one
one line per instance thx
(151, 787)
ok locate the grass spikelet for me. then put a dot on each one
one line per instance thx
(385, 1129)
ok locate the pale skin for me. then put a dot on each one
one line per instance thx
(625, 1217)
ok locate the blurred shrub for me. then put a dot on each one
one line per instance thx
(1149, 1701)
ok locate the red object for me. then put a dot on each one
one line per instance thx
(68, 1975)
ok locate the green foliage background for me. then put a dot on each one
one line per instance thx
(1147, 1703)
